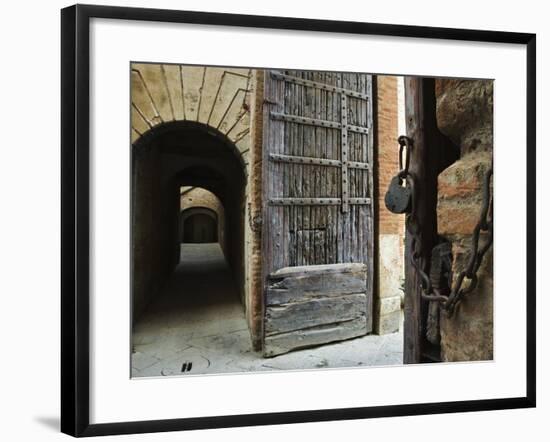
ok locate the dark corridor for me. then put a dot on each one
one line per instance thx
(200, 228)
(164, 159)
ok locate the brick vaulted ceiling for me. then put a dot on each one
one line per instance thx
(217, 97)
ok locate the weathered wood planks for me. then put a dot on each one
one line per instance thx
(314, 311)
(294, 284)
(312, 170)
(428, 159)
(312, 305)
(284, 342)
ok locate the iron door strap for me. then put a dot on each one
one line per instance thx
(343, 163)
(344, 149)
(317, 122)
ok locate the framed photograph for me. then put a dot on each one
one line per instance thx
(274, 220)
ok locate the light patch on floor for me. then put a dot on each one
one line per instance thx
(199, 320)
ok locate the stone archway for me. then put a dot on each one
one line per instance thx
(199, 225)
(166, 158)
(218, 98)
(230, 102)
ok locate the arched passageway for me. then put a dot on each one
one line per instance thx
(200, 228)
(168, 161)
(199, 225)
(177, 283)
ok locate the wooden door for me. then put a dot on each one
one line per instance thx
(318, 175)
(433, 152)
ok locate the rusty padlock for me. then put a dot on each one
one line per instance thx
(398, 198)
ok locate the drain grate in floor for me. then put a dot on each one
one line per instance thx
(186, 367)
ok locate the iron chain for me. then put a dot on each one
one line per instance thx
(477, 252)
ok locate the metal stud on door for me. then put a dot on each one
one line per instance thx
(318, 189)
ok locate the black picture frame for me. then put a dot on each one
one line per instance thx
(75, 211)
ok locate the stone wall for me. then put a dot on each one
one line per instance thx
(217, 99)
(387, 299)
(465, 114)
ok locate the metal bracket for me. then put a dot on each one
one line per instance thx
(316, 201)
(314, 161)
(317, 122)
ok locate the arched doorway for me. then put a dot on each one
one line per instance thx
(199, 225)
(166, 159)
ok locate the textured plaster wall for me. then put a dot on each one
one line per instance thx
(465, 114)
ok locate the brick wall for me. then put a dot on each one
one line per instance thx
(387, 297)
(388, 164)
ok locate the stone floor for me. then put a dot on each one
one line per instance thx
(199, 321)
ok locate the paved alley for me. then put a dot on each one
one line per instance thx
(198, 326)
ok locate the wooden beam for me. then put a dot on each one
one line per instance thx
(420, 112)
(432, 152)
